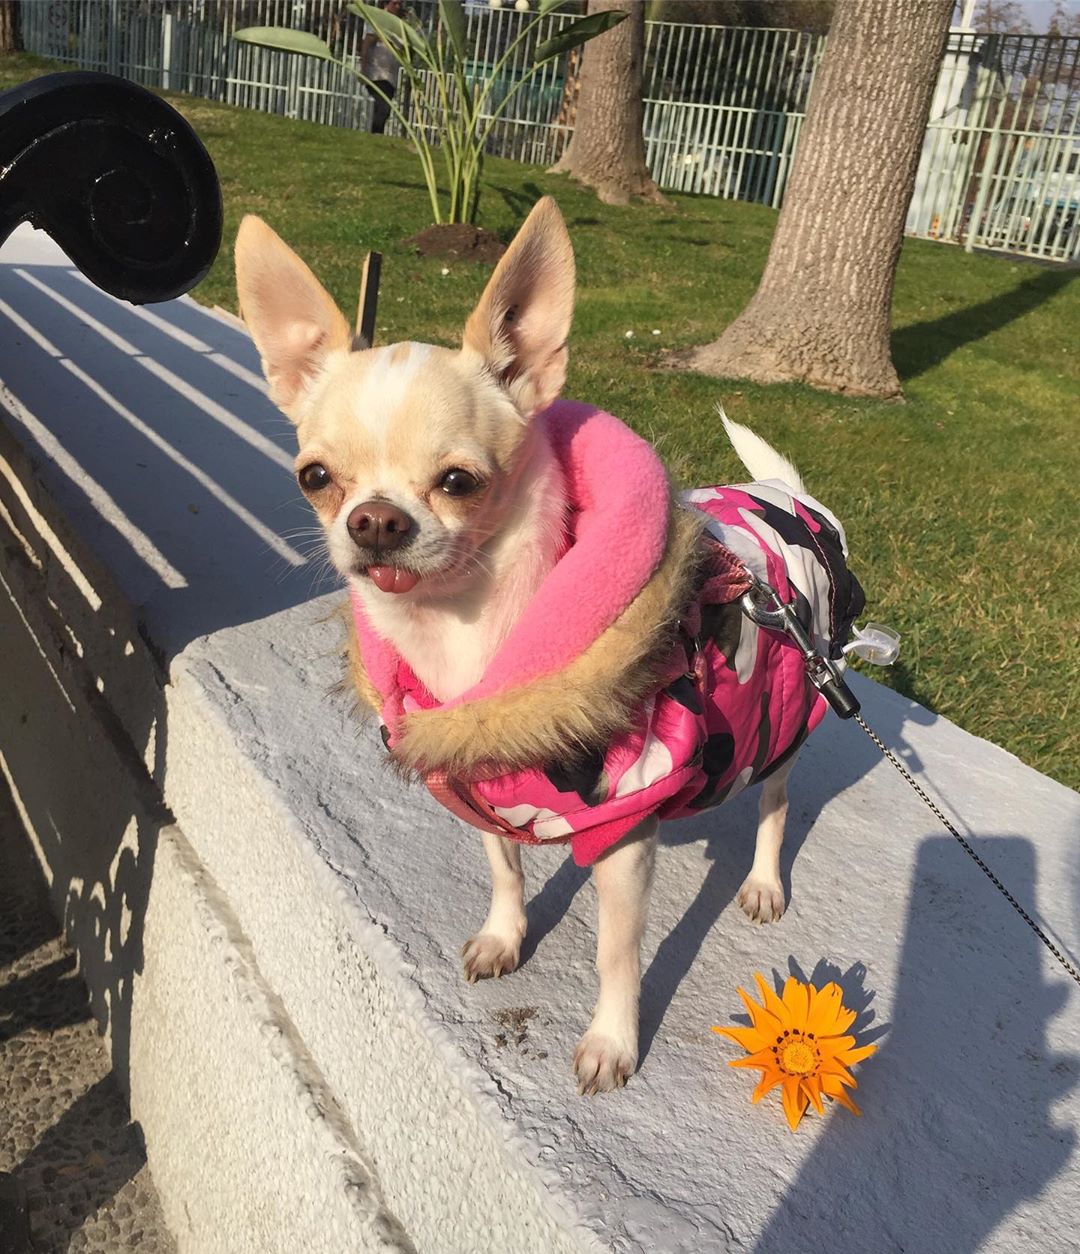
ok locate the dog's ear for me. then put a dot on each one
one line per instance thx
(292, 319)
(520, 325)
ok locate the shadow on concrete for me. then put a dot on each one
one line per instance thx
(958, 1128)
(920, 347)
(26, 918)
(83, 701)
(80, 1164)
(157, 505)
(551, 903)
(72, 1155)
(164, 447)
(43, 1000)
(834, 758)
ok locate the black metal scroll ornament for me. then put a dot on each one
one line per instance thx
(118, 179)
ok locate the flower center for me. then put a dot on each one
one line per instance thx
(798, 1056)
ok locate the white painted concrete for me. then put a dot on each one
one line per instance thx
(344, 901)
(252, 1149)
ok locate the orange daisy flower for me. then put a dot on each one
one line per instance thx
(798, 1041)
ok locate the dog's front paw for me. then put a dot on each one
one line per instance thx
(487, 954)
(762, 900)
(602, 1063)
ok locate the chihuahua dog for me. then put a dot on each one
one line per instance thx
(446, 489)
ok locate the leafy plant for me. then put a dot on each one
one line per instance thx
(452, 97)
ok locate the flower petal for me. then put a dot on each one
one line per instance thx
(794, 1101)
(761, 1018)
(838, 1074)
(773, 1004)
(844, 1019)
(749, 1038)
(830, 1084)
(797, 1000)
(834, 1046)
(844, 1100)
(763, 1058)
(825, 1005)
(768, 1081)
(851, 1056)
(812, 1087)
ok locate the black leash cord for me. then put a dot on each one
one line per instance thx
(968, 849)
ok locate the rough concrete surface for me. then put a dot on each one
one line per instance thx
(65, 1133)
(151, 432)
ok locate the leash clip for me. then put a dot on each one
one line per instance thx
(763, 605)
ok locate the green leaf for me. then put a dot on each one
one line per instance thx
(578, 33)
(452, 17)
(390, 28)
(547, 6)
(282, 39)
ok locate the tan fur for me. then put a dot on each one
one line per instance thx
(295, 324)
(520, 326)
(387, 425)
(583, 706)
(365, 689)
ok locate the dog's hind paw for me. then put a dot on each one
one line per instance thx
(487, 955)
(762, 901)
(602, 1064)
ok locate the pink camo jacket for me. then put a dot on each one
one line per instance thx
(733, 702)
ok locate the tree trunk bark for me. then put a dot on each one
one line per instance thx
(571, 89)
(822, 312)
(606, 151)
(10, 34)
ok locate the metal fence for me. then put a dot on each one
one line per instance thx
(723, 105)
(1001, 159)
(188, 46)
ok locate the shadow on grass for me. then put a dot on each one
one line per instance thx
(920, 347)
(520, 200)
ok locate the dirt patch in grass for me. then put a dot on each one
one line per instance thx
(459, 241)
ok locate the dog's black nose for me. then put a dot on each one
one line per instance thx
(379, 526)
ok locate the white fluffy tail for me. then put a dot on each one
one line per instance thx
(759, 458)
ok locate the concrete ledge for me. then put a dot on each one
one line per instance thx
(270, 925)
(249, 1090)
(216, 1073)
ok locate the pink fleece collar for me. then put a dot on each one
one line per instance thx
(620, 501)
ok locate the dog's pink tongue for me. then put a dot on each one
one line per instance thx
(392, 578)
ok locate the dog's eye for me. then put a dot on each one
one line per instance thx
(314, 478)
(458, 482)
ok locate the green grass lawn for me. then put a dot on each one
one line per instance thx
(960, 503)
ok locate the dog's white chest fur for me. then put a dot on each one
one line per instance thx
(447, 654)
(449, 643)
